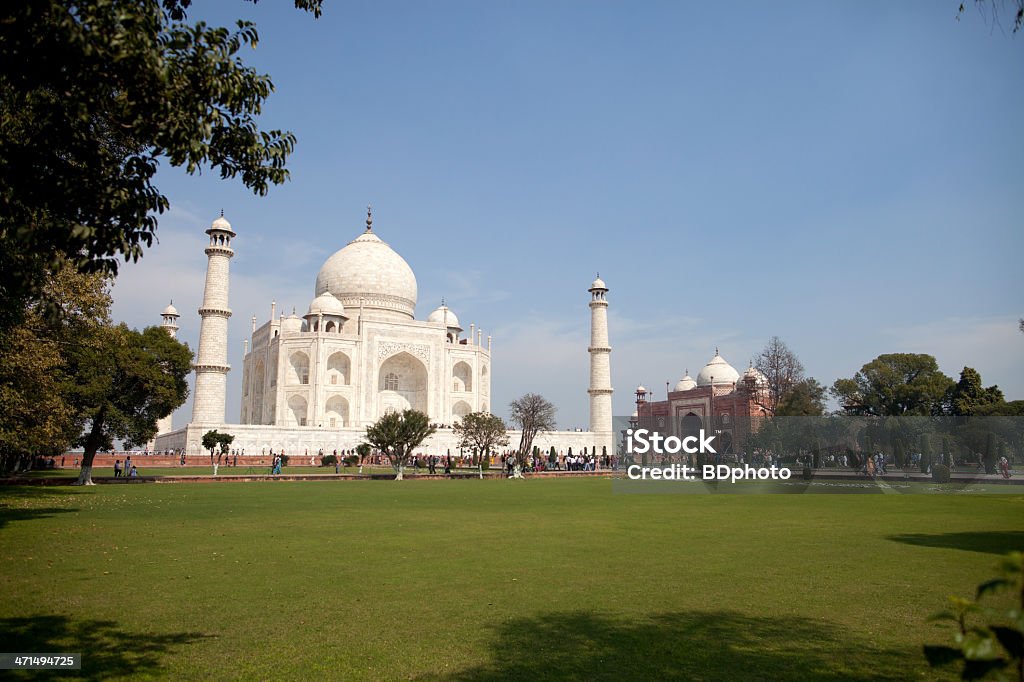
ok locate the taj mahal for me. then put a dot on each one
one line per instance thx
(314, 383)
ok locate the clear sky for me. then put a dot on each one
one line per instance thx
(845, 175)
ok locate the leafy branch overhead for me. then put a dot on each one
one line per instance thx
(93, 95)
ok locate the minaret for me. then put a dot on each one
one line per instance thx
(170, 325)
(600, 368)
(212, 359)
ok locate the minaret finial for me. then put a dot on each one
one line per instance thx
(716, 350)
(369, 218)
(442, 302)
(222, 213)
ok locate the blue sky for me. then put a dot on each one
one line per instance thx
(844, 175)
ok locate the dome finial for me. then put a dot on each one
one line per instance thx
(369, 218)
(716, 351)
(222, 213)
(442, 302)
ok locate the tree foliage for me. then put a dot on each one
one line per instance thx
(806, 398)
(893, 385)
(121, 382)
(397, 435)
(532, 414)
(215, 441)
(782, 368)
(93, 94)
(37, 418)
(481, 432)
(967, 396)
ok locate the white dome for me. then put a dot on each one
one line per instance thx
(368, 271)
(597, 284)
(722, 371)
(170, 310)
(757, 375)
(444, 315)
(641, 389)
(220, 223)
(326, 304)
(686, 383)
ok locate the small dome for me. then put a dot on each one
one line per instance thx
(641, 389)
(635, 414)
(170, 311)
(597, 284)
(755, 375)
(718, 369)
(221, 223)
(326, 304)
(444, 315)
(686, 383)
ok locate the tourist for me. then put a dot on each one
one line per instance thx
(1004, 467)
(117, 468)
(134, 472)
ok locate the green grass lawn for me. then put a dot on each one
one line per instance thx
(241, 470)
(488, 580)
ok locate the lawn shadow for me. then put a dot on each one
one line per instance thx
(692, 645)
(107, 650)
(989, 542)
(10, 514)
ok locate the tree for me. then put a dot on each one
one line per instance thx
(37, 419)
(481, 431)
(363, 451)
(966, 397)
(397, 435)
(895, 385)
(782, 369)
(121, 381)
(806, 398)
(532, 414)
(994, 9)
(93, 95)
(217, 442)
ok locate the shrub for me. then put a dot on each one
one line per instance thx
(808, 474)
(992, 649)
(351, 460)
(940, 473)
(328, 460)
(926, 453)
(284, 460)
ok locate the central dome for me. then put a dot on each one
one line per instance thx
(368, 273)
(718, 371)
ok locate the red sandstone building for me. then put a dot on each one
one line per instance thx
(719, 400)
